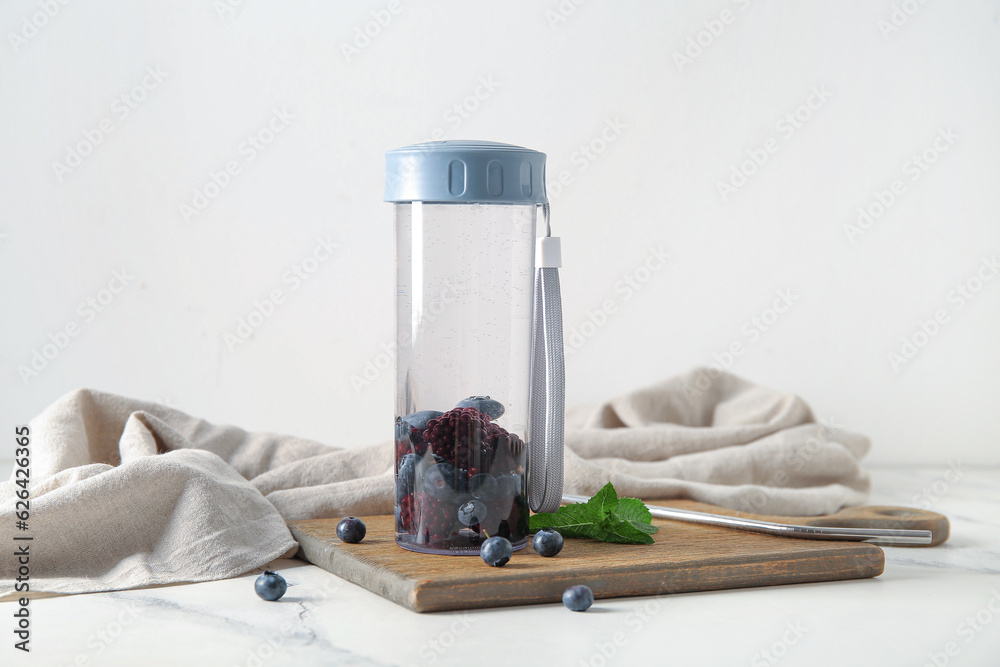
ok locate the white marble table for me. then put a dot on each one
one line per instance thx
(938, 606)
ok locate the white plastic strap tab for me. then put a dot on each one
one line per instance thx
(548, 253)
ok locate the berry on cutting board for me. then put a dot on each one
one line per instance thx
(496, 551)
(547, 542)
(351, 530)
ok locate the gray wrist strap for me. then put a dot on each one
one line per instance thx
(548, 381)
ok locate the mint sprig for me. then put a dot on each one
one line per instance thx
(605, 517)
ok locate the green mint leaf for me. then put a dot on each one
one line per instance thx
(604, 517)
(576, 520)
(634, 512)
(624, 532)
(604, 501)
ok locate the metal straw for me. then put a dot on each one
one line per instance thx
(890, 536)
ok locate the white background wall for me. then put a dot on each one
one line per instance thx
(558, 80)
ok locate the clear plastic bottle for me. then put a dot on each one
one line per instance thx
(465, 219)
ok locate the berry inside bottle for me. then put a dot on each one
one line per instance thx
(459, 480)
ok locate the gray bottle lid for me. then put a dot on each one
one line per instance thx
(459, 171)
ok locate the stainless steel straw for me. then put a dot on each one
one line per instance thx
(888, 536)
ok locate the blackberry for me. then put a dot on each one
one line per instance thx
(509, 451)
(463, 437)
(435, 519)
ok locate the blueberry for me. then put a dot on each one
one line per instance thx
(420, 419)
(578, 598)
(440, 481)
(471, 512)
(351, 530)
(510, 485)
(406, 475)
(484, 487)
(547, 542)
(270, 586)
(496, 551)
(485, 404)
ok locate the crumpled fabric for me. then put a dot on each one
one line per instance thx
(126, 493)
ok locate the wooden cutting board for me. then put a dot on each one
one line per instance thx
(685, 558)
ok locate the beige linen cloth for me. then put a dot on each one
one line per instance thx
(126, 493)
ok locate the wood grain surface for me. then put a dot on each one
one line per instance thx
(685, 558)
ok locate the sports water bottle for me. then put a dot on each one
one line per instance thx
(479, 366)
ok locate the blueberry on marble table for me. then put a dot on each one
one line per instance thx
(578, 598)
(270, 586)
